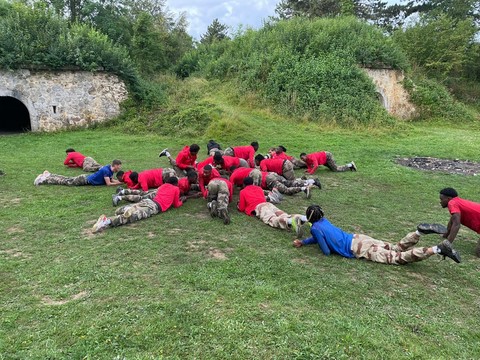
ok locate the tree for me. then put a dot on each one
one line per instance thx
(216, 31)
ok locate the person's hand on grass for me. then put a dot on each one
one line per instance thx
(297, 243)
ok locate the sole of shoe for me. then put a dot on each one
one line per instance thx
(431, 229)
(447, 251)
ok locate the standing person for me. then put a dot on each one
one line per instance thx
(168, 195)
(104, 176)
(151, 179)
(314, 160)
(244, 152)
(186, 159)
(254, 203)
(332, 239)
(219, 195)
(282, 167)
(76, 159)
(462, 212)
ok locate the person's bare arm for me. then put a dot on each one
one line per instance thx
(453, 227)
(111, 182)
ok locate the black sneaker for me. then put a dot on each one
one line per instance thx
(431, 229)
(447, 251)
(163, 152)
(224, 215)
(316, 182)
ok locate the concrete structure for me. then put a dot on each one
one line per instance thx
(41, 100)
(391, 93)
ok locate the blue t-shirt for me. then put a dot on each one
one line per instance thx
(98, 177)
(330, 239)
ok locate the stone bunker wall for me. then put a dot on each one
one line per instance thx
(61, 99)
(393, 96)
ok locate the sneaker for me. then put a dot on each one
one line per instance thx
(119, 190)
(40, 179)
(115, 199)
(352, 166)
(447, 251)
(212, 208)
(431, 229)
(297, 226)
(163, 152)
(316, 182)
(101, 224)
(223, 214)
(307, 192)
(278, 194)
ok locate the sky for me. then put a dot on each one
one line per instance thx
(233, 13)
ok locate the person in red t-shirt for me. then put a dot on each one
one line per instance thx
(168, 195)
(186, 159)
(314, 160)
(124, 177)
(206, 174)
(244, 152)
(219, 195)
(76, 159)
(282, 167)
(225, 163)
(462, 212)
(151, 179)
(280, 152)
(253, 202)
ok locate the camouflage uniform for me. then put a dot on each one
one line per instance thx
(284, 186)
(136, 196)
(298, 163)
(332, 165)
(90, 165)
(54, 179)
(256, 175)
(134, 212)
(218, 190)
(403, 252)
(273, 216)
(167, 173)
(229, 152)
(288, 172)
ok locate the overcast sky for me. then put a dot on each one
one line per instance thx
(201, 13)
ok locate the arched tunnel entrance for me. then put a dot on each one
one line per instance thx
(14, 116)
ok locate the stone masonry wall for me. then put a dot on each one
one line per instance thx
(394, 97)
(61, 99)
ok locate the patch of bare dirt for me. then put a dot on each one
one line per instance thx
(456, 166)
(87, 233)
(302, 261)
(15, 230)
(151, 235)
(217, 254)
(47, 301)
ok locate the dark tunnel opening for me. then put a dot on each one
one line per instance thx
(14, 116)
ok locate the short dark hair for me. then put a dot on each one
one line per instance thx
(248, 181)
(450, 192)
(217, 157)
(134, 177)
(303, 154)
(172, 180)
(233, 167)
(208, 167)
(194, 148)
(254, 144)
(259, 157)
(192, 175)
(120, 174)
(70, 150)
(314, 213)
(116, 162)
(282, 148)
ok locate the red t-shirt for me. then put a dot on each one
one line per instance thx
(128, 181)
(204, 180)
(74, 159)
(168, 195)
(314, 160)
(150, 179)
(207, 161)
(282, 156)
(239, 174)
(250, 197)
(469, 212)
(184, 186)
(185, 159)
(245, 152)
(229, 161)
(229, 184)
(273, 165)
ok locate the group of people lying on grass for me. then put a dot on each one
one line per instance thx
(264, 180)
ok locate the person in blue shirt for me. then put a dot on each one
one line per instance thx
(333, 240)
(104, 176)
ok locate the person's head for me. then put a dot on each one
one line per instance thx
(194, 149)
(134, 177)
(272, 151)
(69, 150)
(303, 156)
(259, 158)
(172, 180)
(254, 144)
(248, 181)
(281, 149)
(314, 213)
(116, 165)
(207, 170)
(446, 195)
(233, 168)
(192, 177)
(120, 175)
(218, 158)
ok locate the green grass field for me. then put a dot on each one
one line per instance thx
(183, 285)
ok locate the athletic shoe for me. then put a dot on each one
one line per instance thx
(447, 250)
(102, 223)
(212, 208)
(223, 214)
(307, 192)
(297, 226)
(119, 190)
(115, 199)
(40, 179)
(163, 152)
(431, 229)
(316, 182)
(352, 166)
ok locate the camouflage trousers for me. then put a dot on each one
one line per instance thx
(54, 179)
(332, 165)
(90, 165)
(214, 150)
(134, 212)
(136, 196)
(218, 190)
(298, 164)
(287, 187)
(403, 252)
(288, 172)
(229, 152)
(273, 216)
(167, 173)
(256, 175)
(176, 170)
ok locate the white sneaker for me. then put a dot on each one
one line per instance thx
(41, 178)
(101, 224)
(352, 166)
